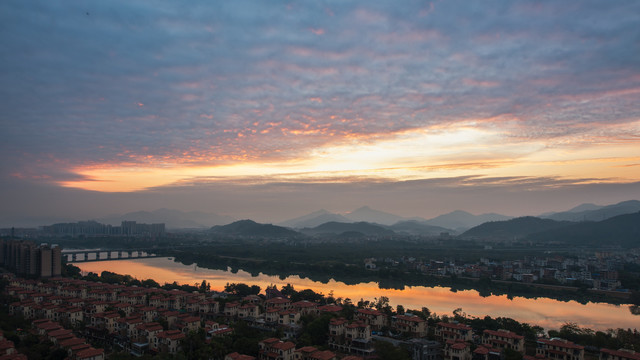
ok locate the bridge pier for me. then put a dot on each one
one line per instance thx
(115, 254)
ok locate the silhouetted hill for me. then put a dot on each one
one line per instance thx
(367, 214)
(250, 228)
(173, 219)
(334, 227)
(621, 230)
(413, 227)
(585, 213)
(314, 219)
(513, 229)
(462, 220)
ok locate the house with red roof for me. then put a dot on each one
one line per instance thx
(281, 303)
(231, 309)
(248, 311)
(237, 356)
(169, 341)
(559, 349)
(7, 347)
(457, 350)
(330, 308)
(208, 307)
(621, 354)
(376, 319)
(147, 313)
(350, 338)
(170, 316)
(452, 331)
(275, 349)
(414, 325)
(312, 353)
(90, 354)
(305, 307)
(486, 352)
(148, 333)
(288, 317)
(187, 323)
(106, 320)
(503, 339)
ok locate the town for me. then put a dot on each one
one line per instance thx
(597, 272)
(93, 320)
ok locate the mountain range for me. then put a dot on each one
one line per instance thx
(456, 222)
(357, 229)
(621, 230)
(591, 212)
(512, 229)
(250, 228)
(451, 222)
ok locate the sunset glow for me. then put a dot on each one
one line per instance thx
(548, 313)
(242, 98)
(461, 150)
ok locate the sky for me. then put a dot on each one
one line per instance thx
(272, 109)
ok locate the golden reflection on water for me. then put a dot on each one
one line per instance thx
(548, 313)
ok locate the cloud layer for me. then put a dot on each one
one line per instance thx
(122, 96)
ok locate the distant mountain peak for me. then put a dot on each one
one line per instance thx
(250, 228)
(313, 219)
(462, 220)
(590, 212)
(368, 214)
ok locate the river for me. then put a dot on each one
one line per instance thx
(548, 313)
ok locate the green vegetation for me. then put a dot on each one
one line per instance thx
(611, 339)
(345, 262)
(388, 351)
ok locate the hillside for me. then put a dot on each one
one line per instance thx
(462, 220)
(588, 212)
(621, 230)
(337, 228)
(313, 219)
(413, 227)
(513, 229)
(250, 228)
(367, 214)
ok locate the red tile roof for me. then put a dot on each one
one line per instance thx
(454, 326)
(284, 345)
(370, 312)
(88, 353)
(561, 343)
(623, 353)
(330, 308)
(172, 335)
(410, 318)
(323, 355)
(503, 333)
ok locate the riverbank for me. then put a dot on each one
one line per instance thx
(546, 312)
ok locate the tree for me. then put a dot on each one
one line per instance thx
(241, 289)
(150, 283)
(204, 287)
(387, 351)
(459, 315)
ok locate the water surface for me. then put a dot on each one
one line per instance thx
(548, 313)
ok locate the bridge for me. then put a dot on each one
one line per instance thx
(108, 254)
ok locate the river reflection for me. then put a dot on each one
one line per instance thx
(548, 313)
